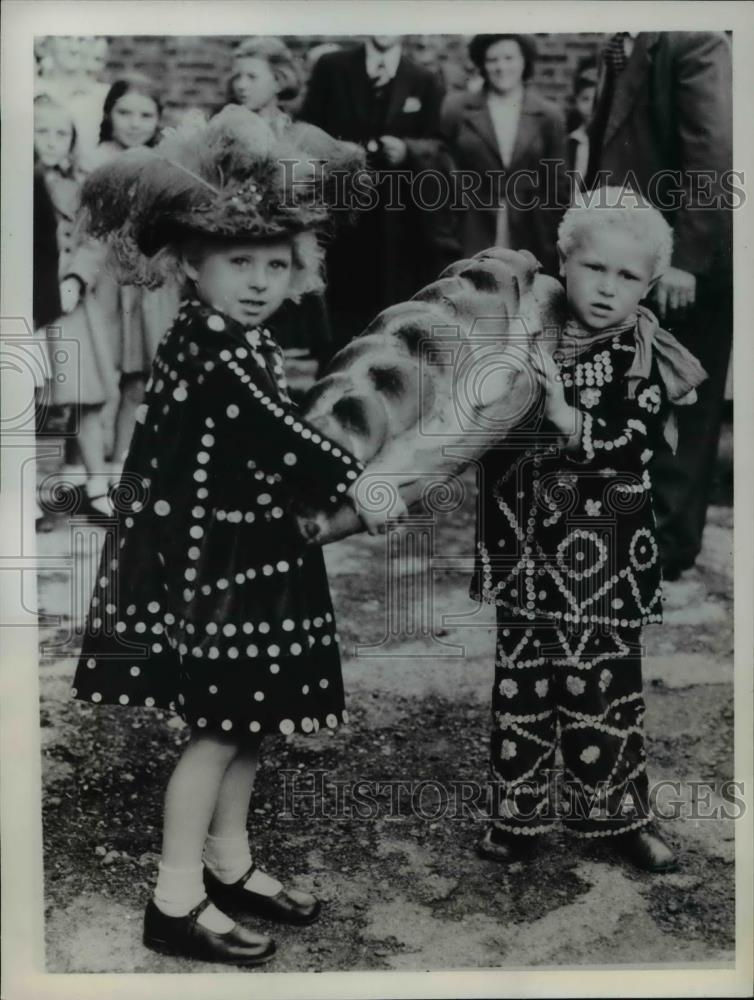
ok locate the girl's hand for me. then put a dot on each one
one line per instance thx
(368, 497)
(70, 293)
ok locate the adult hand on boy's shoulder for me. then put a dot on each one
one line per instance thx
(675, 289)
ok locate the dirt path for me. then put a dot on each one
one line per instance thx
(402, 891)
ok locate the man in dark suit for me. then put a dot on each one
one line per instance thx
(663, 123)
(377, 97)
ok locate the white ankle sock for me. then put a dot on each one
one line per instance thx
(179, 890)
(229, 858)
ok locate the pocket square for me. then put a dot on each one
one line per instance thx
(411, 104)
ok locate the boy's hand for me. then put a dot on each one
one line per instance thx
(549, 378)
(565, 417)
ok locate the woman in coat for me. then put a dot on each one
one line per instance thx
(501, 137)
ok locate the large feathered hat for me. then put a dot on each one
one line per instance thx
(236, 175)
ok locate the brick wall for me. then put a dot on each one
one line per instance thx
(193, 71)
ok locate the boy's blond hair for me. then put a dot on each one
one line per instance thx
(618, 207)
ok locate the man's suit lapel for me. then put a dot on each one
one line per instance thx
(399, 91)
(629, 84)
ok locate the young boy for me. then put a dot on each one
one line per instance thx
(566, 546)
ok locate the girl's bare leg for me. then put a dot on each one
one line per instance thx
(131, 396)
(227, 851)
(190, 802)
(91, 445)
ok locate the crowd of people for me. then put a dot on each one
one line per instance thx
(491, 127)
(212, 605)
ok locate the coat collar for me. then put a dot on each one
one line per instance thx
(478, 116)
(631, 80)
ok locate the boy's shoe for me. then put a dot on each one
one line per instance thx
(282, 907)
(506, 847)
(646, 848)
(184, 936)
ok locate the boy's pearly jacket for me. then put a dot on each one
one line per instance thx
(568, 537)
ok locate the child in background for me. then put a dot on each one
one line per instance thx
(208, 603)
(117, 326)
(263, 77)
(263, 74)
(55, 159)
(567, 551)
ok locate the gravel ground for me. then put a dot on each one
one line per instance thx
(400, 890)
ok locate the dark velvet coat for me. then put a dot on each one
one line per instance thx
(207, 601)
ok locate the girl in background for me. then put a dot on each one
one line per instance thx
(118, 326)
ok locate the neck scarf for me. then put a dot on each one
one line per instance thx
(679, 370)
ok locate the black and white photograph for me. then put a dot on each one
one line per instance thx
(377, 544)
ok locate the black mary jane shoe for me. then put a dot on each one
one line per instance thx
(87, 508)
(281, 907)
(496, 845)
(184, 936)
(646, 849)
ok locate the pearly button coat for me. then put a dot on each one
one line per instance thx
(568, 538)
(207, 602)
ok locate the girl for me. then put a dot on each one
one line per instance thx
(117, 327)
(207, 603)
(57, 185)
(57, 170)
(567, 552)
(130, 116)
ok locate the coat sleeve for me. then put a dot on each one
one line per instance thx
(557, 194)
(46, 292)
(703, 115)
(257, 428)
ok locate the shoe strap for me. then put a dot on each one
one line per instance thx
(245, 878)
(193, 915)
